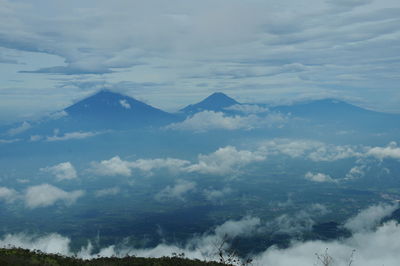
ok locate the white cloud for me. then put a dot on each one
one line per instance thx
(371, 246)
(178, 191)
(369, 218)
(9, 140)
(214, 194)
(107, 192)
(312, 150)
(356, 172)
(116, 166)
(225, 160)
(72, 135)
(210, 120)
(8, 195)
(46, 195)
(332, 153)
(111, 167)
(62, 171)
(296, 222)
(308, 45)
(292, 148)
(319, 177)
(34, 138)
(391, 151)
(124, 103)
(58, 115)
(23, 127)
(247, 108)
(51, 243)
(171, 164)
(246, 226)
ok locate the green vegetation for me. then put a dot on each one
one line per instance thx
(18, 256)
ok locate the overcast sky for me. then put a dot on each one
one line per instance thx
(176, 52)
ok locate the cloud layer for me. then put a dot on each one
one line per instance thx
(276, 52)
(370, 244)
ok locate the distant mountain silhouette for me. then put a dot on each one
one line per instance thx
(105, 110)
(215, 102)
(339, 113)
(112, 108)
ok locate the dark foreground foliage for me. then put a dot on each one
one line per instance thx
(18, 256)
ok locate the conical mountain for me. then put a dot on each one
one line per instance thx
(111, 105)
(105, 110)
(217, 101)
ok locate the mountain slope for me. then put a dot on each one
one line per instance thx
(104, 110)
(110, 105)
(111, 110)
(215, 102)
(23, 257)
(338, 113)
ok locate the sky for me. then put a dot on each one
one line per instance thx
(173, 53)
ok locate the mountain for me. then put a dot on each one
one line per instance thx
(217, 101)
(340, 114)
(104, 110)
(114, 109)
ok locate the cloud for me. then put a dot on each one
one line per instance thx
(332, 153)
(62, 171)
(34, 138)
(111, 167)
(125, 104)
(226, 160)
(72, 135)
(312, 150)
(369, 219)
(215, 194)
(116, 166)
(148, 165)
(370, 249)
(390, 151)
(230, 160)
(9, 140)
(22, 128)
(371, 246)
(247, 108)
(178, 191)
(296, 222)
(51, 243)
(357, 171)
(46, 195)
(276, 52)
(210, 120)
(57, 115)
(8, 195)
(200, 247)
(319, 177)
(107, 192)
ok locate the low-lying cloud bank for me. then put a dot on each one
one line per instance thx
(226, 160)
(373, 244)
(229, 160)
